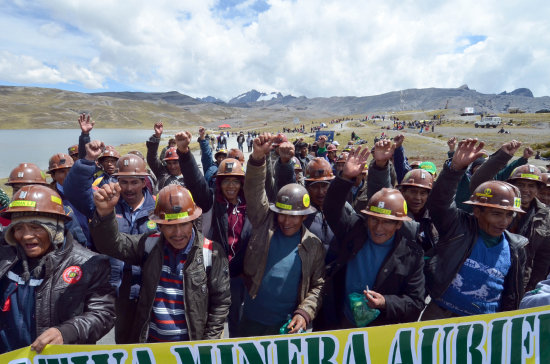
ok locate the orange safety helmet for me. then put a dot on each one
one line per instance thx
(174, 205)
(38, 199)
(230, 167)
(418, 178)
(171, 154)
(27, 173)
(496, 194)
(131, 165)
(388, 203)
(319, 170)
(60, 161)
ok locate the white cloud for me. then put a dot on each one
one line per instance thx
(303, 47)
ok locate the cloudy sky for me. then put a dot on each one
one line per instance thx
(301, 47)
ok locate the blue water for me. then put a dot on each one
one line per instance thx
(38, 145)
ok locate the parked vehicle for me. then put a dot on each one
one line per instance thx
(488, 121)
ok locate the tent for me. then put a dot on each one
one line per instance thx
(224, 126)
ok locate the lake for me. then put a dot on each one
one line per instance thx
(38, 145)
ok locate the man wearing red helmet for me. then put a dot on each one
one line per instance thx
(177, 257)
(166, 174)
(477, 265)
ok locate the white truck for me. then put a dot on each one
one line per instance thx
(488, 121)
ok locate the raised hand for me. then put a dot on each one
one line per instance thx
(528, 153)
(86, 123)
(355, 163)
(94, 149)
(261, 146)
(398, 140)
(451, 143)
(286, 151)
(468, 151)
(106, 198)
(202, 133)
(183, 139)
(159, 129)
(383, 151)
(511, 147)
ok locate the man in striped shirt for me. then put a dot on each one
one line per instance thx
(185, 277)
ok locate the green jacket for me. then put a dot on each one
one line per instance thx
(206, 291)
(263, 220)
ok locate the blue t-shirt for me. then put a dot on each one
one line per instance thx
(363, 268)
(278, 292)
(477, 287)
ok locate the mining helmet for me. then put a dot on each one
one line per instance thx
(26, 173)
(109, 151)
(318, 170)
(73, 149)
(171, 154)
(175, 205)
(36, 199)
(236, 154)
(388, 203)
(221, 151)
(293, 199)
(60, 161)
(131, 165)
(496, 194)
(418, 178)
(342, 157)
(296, 164)
(527, 172)
(230, 167)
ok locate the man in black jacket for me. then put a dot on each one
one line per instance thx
(378, 257)
(477, 265)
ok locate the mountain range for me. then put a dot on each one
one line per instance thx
(410, 99)
(34, 107)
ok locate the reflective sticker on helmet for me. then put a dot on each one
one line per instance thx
(405, 207)
(283, 206)
(23, 203)
(517, 202)
(151, 225)
(532, 176)
(305, 200)
(179, 215)
(486, 193)
(380, 210)
(57, 200)
(72, 274)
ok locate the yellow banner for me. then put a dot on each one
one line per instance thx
(511, 337)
